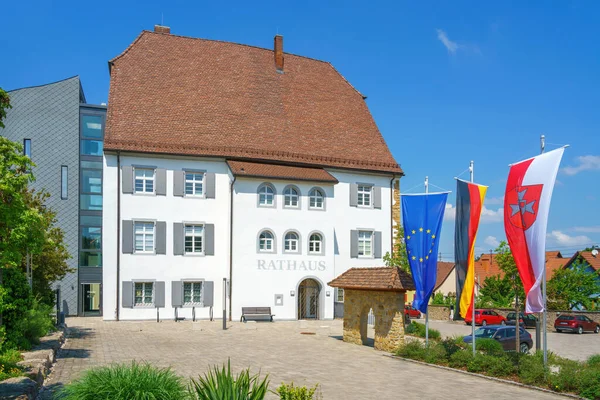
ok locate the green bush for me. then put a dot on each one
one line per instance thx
(567, 377)
(436, 354)
(37, 323)
(461, 359)
(220, 384)
(418, 329)
(414, 349)
(451, 346)
(8, 364)
(126, 382)
(15, 300)
(291, 392)
(589, 383)
(531, 370)
(491, 365)
(489, 346)
(594, 361)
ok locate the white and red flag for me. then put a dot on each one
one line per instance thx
(526, 207)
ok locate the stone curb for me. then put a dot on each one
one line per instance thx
(491, 378)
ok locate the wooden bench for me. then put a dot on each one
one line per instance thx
(253, 312)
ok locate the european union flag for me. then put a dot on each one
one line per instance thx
(422, 216)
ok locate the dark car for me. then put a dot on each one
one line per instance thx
(506, 335)
(575, 323)
(526, 320)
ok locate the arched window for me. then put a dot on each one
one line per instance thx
(290, 244)
(315, 244)
(291, 197)
(317, 199)
(265, 242)
(266, 195)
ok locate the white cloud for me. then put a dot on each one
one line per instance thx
(586, 229)
(494, 200)
(586, 163)
(449, 44)
(562, 239)
(449, 213)
(492, 241)
(487, 215)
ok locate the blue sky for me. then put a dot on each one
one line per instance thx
(446, 83)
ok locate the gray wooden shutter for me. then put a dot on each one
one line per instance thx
(161, 237)
(353, 195)
(127, 294)
(377, 196)
(159, 294)
(178, 183)
(161, 182)
(209, 179)
(377, 244)
(127, 179)
(208, 295)
(176, 293)
(209, 239)
(178, 239)
(127, 236)
(354, 244)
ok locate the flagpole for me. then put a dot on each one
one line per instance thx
(543, 146)
(471, 171)
(427, 314)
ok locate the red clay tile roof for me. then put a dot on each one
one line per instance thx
(389, 279)
(594, 262)
(443, 271)
(484, 269)
(272, 171)
(178, 95)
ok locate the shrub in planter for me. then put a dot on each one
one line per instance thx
(589, 383)
(8, 364)
(460, 359)
(126, 382)
(489, 346)
(291, 392)
(414, 350)
(451, 346)
(567, 377)
(220, 384)
(418, 329)
(531, 370)
(594, 361)
(436, 354)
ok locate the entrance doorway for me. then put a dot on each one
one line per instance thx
(308, 299)
(91, 299)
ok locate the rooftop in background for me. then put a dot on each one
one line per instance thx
(488, 266)
(388, 279)
(172, 94)
(443, 272)
(593, 261)
(272, 171)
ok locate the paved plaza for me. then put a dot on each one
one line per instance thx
(302, 352)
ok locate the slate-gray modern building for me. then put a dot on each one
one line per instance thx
(63, 135)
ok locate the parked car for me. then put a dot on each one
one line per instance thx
(525, 320)
(410, 312)
(486, 317)
(506, 335)
(575, 323)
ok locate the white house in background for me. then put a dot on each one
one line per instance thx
(221, 164)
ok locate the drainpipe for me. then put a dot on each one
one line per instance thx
(118, 232)
(231, 244)
(392, 214)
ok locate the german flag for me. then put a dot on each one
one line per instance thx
(469, 203)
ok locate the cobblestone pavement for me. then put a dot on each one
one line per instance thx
(282, 349)
(569, 345)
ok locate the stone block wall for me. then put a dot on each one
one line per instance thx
(388, 308)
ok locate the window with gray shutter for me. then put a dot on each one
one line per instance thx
(161, 237)
(178, 183)
(127, 237)
(377, 196)
(208, 298)
(354, 244)
(209, 239)
(161, 182)
(209, 178)
(127, 294)
(177, 293)
(127, 179)
(353, 195)
(178, 239)
(377, 252)
(159, 294)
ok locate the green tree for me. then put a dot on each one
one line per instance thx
(4, 105)
(398, 258)
(499, 290)
(571, 288)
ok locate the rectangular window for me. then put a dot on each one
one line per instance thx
(365, 243)
(91, 202)
(194, 183)
(92, 126)
(64, 182)
(91, 147)
(27, 147)
(91, 181)
(194, 239)
(364, 195)
(192, 293)
(144, 294)
(91, 238)
(144, 180)
(339, 296)
(90, 259)
(144, 237)
(90, 164)
(90, 220)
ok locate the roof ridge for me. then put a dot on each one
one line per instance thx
(44, 84)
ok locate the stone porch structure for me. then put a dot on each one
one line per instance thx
(381, 289)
